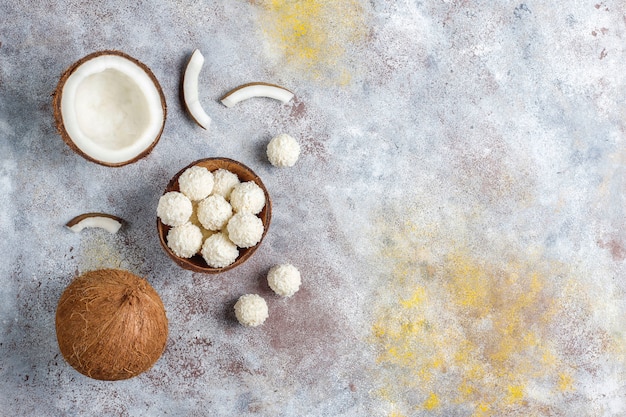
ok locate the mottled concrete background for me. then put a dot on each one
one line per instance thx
(457, 213)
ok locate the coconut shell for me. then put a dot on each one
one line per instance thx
(197, 263)
(111, 325)
(58, 117)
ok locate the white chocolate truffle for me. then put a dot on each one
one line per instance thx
(283, 151)
(224, 182)
(174, 208)
(185, 241)
(251, 310)
(214, 212)
(196, 183)
(247, 197)
(284, 279)
(218, 251)
(245, 230)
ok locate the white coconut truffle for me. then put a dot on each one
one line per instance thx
(284, 279)
(185, 241)
(251, 310)
(218, 251)
(283, 151)
(214, 212)
(245, 230)
(196, 183)
(174, 208)
(224, 182)
(247, 197)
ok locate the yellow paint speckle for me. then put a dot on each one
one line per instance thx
(313, 37)
(479, 329)
(416, 299)
(431, 402)
(515, 394)
(566, 382)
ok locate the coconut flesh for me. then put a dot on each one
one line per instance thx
(108, 222)
(190, 90)
(256, 89)
(110, 108)
(111, 325)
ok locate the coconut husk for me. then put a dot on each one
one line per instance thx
(111, 325)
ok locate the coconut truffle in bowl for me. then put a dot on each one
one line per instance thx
(196, 183)
(247, 197)
(185, 241)
(245, 230)
(218, 251)
(174, 208)
(224, 183)
(214, 212)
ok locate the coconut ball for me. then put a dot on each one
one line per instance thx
(214, 212)
(251, 310)
(247, 197)
(284, 279)
(224, 183)
(196, 183)
(185, 241)
(174, 208)
(283, 151)
(245, 230)
(218, 251)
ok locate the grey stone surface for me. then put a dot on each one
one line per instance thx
(457, 212)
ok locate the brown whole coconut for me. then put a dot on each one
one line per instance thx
(111, 325)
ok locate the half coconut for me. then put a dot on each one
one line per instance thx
(109, 108)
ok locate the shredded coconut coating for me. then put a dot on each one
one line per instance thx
(247, 197)
(185, 241)
(251, 310)
(174, 209)
(214, 212)
(284, 279)
(283, 151)
(218, 251)
(196, 183)
(245, 230)
(224, 183)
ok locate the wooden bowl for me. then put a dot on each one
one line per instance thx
(196, 263)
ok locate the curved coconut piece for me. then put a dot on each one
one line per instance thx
(256, 89)
(109, 108)
(190, 90)
(108, 222)
(111, 325)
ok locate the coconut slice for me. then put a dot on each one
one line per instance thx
(250, 90)
(190, 90)
(109, 108)
(104, 221)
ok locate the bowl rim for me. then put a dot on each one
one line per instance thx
(196, 263)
